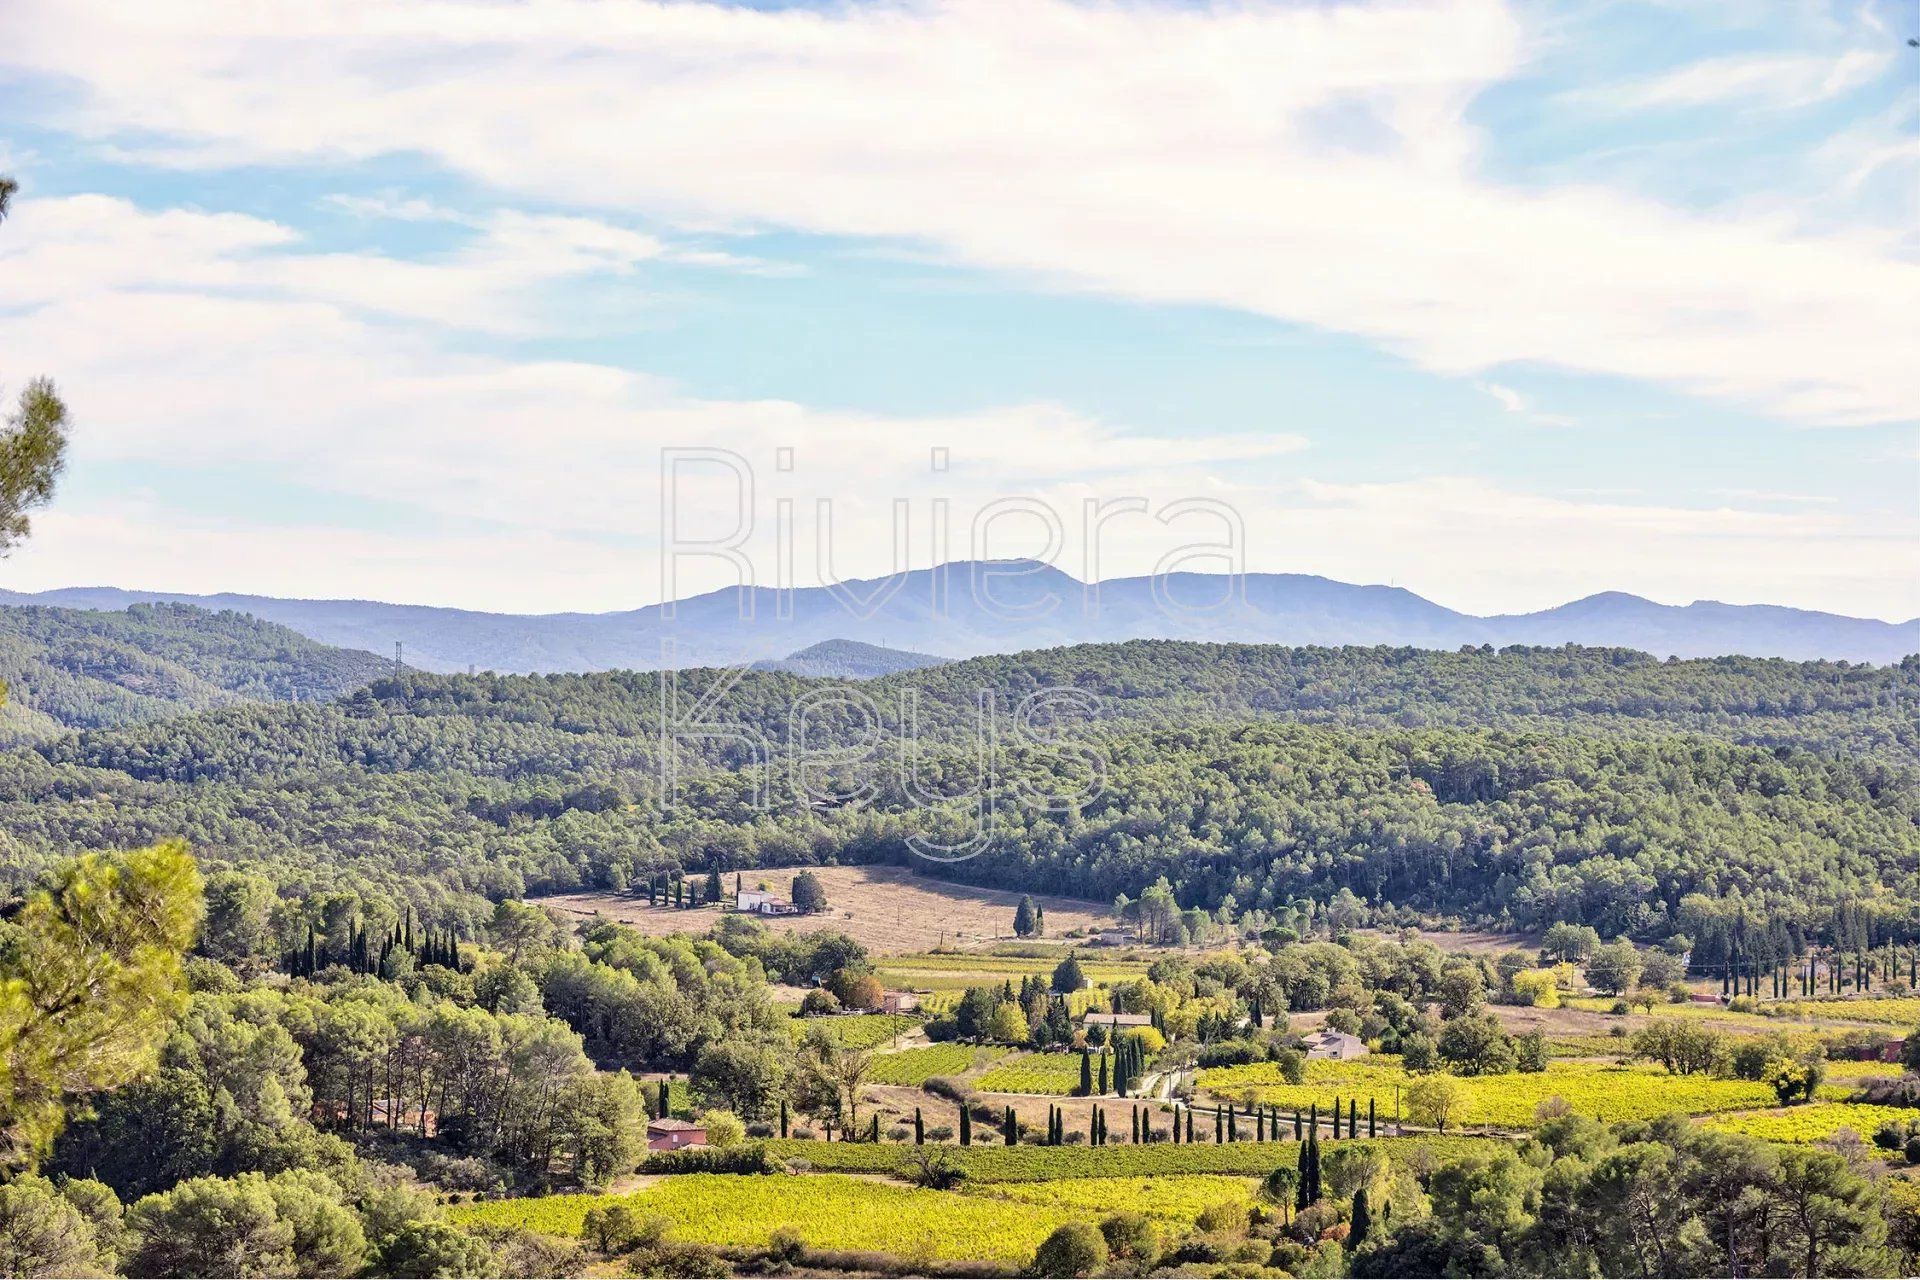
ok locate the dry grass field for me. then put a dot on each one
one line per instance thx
(889, 909)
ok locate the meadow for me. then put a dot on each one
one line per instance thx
(1506, 1101)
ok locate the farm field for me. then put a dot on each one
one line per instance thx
(1814, 1123)
(1178, 1198)
(858, 1030)
(1506, 1101)
(829, 1211)
(990, 1164)
(919, 1065)
(1050, 1073)
(889, 909)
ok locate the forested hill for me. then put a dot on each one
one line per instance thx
(89, 669)
(1523, 787)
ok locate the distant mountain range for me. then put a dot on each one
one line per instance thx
(971, 608)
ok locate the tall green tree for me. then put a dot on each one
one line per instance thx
(90, 981)
(33, 440)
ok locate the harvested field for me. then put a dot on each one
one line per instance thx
(890, 909)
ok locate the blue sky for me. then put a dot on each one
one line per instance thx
(1505, 303)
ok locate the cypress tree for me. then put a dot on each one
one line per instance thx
(1189, 1124)
(1361, 1219)
(783, 1117)
(1136, 1125)
(1260, 1125)
(1176, 1124)
(1296, 1127)
(1086, 1073)
(1103, 1073)
(1300, 1198)
(1219, 1126)
(1010, 1129)
(1313, 1164)
(1371, 1131)
(966, 1128)
(1353, 1116)
(1336, 1117)
(1233, 1123)
(873, 1129)
(919, 1129)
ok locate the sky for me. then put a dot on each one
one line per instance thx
(574, 304)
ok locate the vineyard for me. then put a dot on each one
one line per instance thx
(1050, 1073)
(1507, 1101)
(1814, 1123)
(917, 1066)
(1045, 1164)
(827, 1211)
(1900, 1011)
(859, 1030)
(1179, 1198)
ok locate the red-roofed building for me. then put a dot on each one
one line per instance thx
(668, 1134)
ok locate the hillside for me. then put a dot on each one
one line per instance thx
(849, 660)
(971, 609)
(91, 669)
(1518, 787)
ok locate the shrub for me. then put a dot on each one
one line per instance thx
(724, 1128)
(1076, 1249)
(1132, 1236)
(749, 1157)
(819, 1001)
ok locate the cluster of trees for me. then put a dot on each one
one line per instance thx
(98, 669)
(1250, 825)
(1579, 1198)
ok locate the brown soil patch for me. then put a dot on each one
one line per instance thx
(890, 909)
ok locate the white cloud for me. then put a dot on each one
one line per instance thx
(1310, 163)
(535, 485)
(1773, 80)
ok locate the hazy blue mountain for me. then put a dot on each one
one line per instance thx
(94, 669)
(849, 660)
(971, 608)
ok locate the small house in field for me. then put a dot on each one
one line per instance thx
(668, 1134)
(1118, 1021)
(1702, 997)
(1337, 1046)
(760, 902)
(1113, 938)
(898, 1002)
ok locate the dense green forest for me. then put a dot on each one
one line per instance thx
(1524, 787)
(93, 669)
